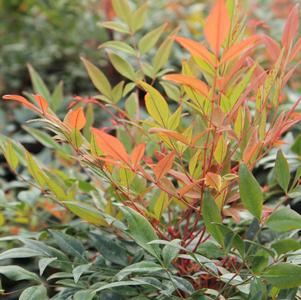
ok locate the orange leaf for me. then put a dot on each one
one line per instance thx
(191, 81)
(22, 100)
(291, 27)
(217, 26)
(110, 145)
(75, 118)
(170, 133)
(164, 165)
(195, 48)
(213, 180)
(273, 48)
(42, 103)
(137, 154)
(240, 48)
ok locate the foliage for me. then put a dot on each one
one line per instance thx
(176, 168)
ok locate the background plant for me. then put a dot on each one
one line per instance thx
(180, 174)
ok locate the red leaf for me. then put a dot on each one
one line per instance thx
(240, 48)
(291, 27)
(195, 48)
(296, 50)
(22, 100)
(76, 118)
(191, 81)
(217, 26)
(164, 165)
(110, 145)
(273, 48)
(42, 103)
(137, 154)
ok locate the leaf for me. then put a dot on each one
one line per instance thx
(37, 292)
(57, 97)
(11, 156)
(195, 48)
(217, 26)
(75, 119)
(44, 262)
(38, 84)
(250, 192)
(291, 27)
(21, 252)
(286, 245)
(160, 204)
(35, 170)
(140, 267)
(110, 145)
(69, 244)
(141, 230)
(283, 276)
(137, 154)
(190, 81)
(282, 172)
(21, 100)
(139, 17)
(118, 284)
(162, 54)
(99, 80)
(220, 151)
(110, 249)
(122, 10)
(115, 26)
(149, 40)
(156, 105)
(86, 212)
(84, 295)
(182, 284)
(240, 48)
(118, 45)
(79, 270)
(211, 214)
(17, 273)
(164, 165)
(170, 251)
(122, 66)
(284, 219)
(42, 103)
(213, 180)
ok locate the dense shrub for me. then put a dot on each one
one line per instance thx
(171, 174)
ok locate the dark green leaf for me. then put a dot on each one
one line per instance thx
(282, 172)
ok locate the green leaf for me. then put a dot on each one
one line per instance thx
(11, 156)
(284, 219)
(76, 138)
(286, 245)
(162, 55)
(156, 105)
(44, 262)
(282, 172)
(86, 212)
(69, 244)
(296, 147)
(118, 45)
(17, 273)
(35, 170)
(99, 80)
(21, 252)
(182, 284)
(118, 284)
(38, 84)
(110, 250)
(115, 26)
(57, 97)
(84, 295)
(211, 214)
(148, 41)
(37, 292)
(283, 276)
(141, 231)
(123, 11)
(122, 66)
(250, 192)
(79, 270)
(170, 251)
(139, 17)
(138, 268)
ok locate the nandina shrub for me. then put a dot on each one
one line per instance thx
(177, 164)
